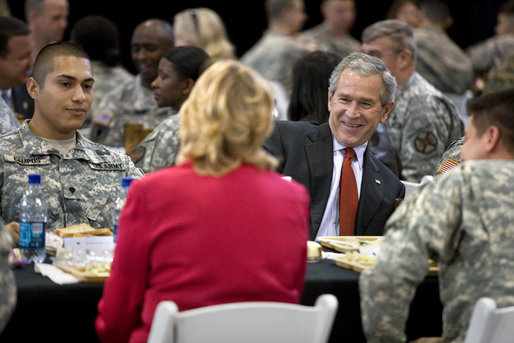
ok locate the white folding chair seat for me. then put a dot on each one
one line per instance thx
(489, 324)
(245, 322)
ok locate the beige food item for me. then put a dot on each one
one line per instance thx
(363, 259)
(313, 250)
(82, 230)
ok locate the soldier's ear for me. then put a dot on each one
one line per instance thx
(406, 58)
(491, 138)
(32, 87)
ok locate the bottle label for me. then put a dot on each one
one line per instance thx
(32, 235)
(115, 231)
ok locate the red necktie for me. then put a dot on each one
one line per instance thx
(348, 196)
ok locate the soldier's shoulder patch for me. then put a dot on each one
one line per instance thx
(447, 165)
(137, 154)
(103, 118)
(425, 142)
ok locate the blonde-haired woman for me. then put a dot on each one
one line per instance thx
(218, 227)
(204, 28)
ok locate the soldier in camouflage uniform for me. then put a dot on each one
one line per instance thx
(133, 102)
(159, 149)
(333, 34)
(423, 122)
(178, 71)
(7, 285)
(439, 60)
(464, 220)
(8, 121)
(500, 77)
(491, 52)
(15, 55)
(110, 77)
(80, 179)
(275, 53)
(451, 157)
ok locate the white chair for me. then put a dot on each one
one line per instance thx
(489, 324)
(460, 101)
(259, 322)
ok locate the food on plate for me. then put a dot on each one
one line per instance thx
(82, 230)
(95, 269)
(363, 259)
(349, 243)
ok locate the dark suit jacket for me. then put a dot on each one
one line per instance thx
(305, 151)
(22, 102)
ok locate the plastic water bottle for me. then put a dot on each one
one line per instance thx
(120, 202)
(33, 216)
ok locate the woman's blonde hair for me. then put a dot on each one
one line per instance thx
(226, 119)
(204, 28)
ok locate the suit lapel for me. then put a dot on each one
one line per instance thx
(320, 162)
(372, 194)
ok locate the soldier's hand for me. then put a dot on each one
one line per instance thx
(14, 229)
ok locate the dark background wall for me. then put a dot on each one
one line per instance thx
(474, 20)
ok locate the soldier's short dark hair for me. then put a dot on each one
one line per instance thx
(274, 8)
(495, 109)
(435, 10)
(44, 60)
(10, 27)
(507, 8)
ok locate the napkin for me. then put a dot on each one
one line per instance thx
(331, 255)
(55, 274)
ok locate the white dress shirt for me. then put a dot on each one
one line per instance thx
(330, 222)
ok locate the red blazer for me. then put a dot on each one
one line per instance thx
(203, 240)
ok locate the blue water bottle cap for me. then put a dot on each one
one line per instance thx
(125, 182)
(34, 178)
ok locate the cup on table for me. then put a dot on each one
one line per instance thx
(131, 136)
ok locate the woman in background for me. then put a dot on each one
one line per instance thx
(178, 71)
(202, 27)
(220, 226)
(311, 74)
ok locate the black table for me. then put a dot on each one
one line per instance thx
(47, 312)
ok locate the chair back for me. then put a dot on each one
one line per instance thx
(245, 322)
(489, 324)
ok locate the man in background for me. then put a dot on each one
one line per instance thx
(15, 64)
(333, 34)
(278, 49)
(423, 122)
(491, 52)
(133, 101)
(47, 20)
(439, 60)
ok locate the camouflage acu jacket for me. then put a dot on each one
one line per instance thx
(464, 220)
(421, 126)
(80, 186)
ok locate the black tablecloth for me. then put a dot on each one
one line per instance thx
(47, 312)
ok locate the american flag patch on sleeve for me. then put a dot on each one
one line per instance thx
(447, 165)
